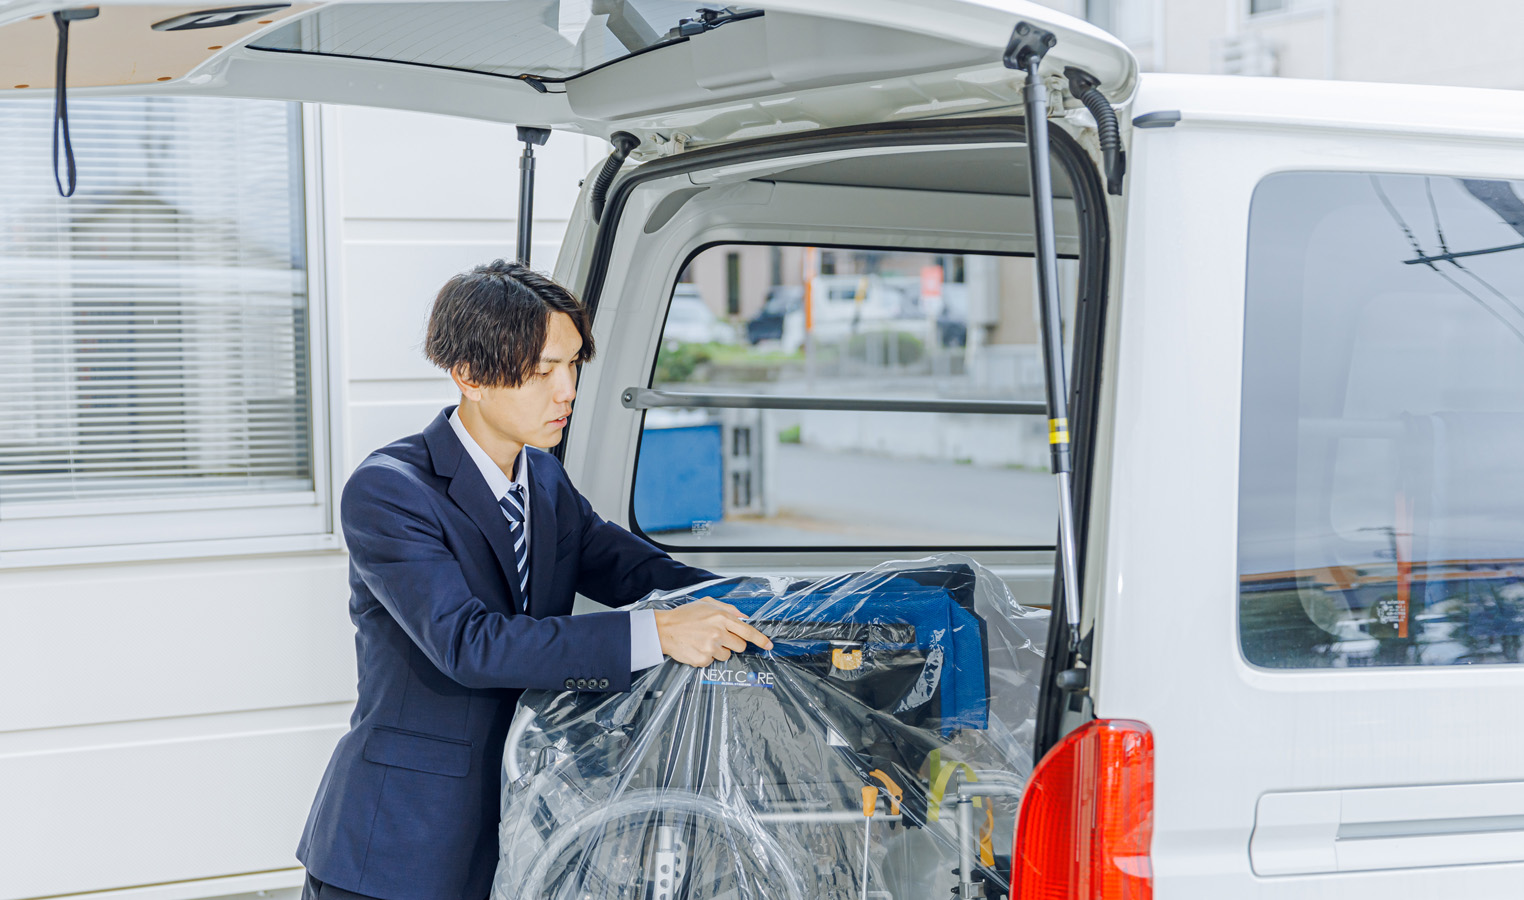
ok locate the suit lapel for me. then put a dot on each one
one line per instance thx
(470, 492)
(542, 537)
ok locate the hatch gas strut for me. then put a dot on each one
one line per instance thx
(1025, 52)
(532, 137)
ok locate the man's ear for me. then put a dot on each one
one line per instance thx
(470, 389)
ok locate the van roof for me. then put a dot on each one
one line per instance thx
(1365, 106)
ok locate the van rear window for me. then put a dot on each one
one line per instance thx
(1381, 479)
(937, 332)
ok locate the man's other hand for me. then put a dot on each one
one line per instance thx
(705, 631)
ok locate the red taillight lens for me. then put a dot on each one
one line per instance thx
(1087, 818)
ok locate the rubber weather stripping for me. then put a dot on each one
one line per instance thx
(623, 142)
(1086, 88)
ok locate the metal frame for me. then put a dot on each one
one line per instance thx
(1028, 46)
(531, 137)
(646, 398)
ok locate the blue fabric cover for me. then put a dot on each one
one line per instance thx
(941, 625)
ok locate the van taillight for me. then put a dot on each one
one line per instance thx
(1087, 818)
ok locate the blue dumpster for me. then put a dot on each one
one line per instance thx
(680, 477)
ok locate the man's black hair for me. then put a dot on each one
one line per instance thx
(492, 320)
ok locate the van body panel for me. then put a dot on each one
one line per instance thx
(1349, 106)
(174, 715)
(1229, 736)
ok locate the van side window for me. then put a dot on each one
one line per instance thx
(844, 324)
(1381, 477)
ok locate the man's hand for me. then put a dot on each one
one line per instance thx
(705, 631)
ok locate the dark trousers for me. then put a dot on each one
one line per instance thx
(317, 890)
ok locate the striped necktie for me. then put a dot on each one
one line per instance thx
(513, 506)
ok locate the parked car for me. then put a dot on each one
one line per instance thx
(690, 321)
(1297, 393)
(767, 324)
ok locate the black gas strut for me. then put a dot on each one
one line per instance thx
(1025, 52)
(531, 137)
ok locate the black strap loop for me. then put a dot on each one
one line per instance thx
(61, 108)
(62, 18)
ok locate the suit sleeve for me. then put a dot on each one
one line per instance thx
(617, 568)
(397, 548)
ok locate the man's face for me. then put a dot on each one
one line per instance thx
(535, 412)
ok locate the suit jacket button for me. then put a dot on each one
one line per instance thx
(581, 684)
(571, 684)
(603, 684)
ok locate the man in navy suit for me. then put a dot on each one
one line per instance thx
(467, 546)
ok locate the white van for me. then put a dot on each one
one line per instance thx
(1294, 334)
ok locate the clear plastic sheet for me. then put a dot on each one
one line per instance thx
(908, 691)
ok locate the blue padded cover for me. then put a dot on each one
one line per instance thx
(943, 628)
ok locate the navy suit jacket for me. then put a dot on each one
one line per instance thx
(408, 808)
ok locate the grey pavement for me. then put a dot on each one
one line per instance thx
(828, 498)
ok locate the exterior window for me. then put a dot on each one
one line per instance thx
(1130, 20)
(1264, 6)
(883, 324)
(155, 335)
(1381, 495)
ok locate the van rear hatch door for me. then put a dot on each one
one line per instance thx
(652, 67)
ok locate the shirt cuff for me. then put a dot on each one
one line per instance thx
(645, 643)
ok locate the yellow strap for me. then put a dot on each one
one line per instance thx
(939, 787)
(896, 793)
(986, 837)
(1058, 431)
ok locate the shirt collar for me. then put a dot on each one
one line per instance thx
(497, 482)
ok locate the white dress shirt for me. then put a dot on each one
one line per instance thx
(645, 643)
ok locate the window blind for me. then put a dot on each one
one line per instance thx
(154, 328)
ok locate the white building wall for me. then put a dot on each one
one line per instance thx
(164, 724)
(421, 198)
(1467, 42)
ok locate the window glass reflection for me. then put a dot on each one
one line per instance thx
(849, 323)
(1381, 515)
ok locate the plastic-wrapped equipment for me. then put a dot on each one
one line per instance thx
(877, 751)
